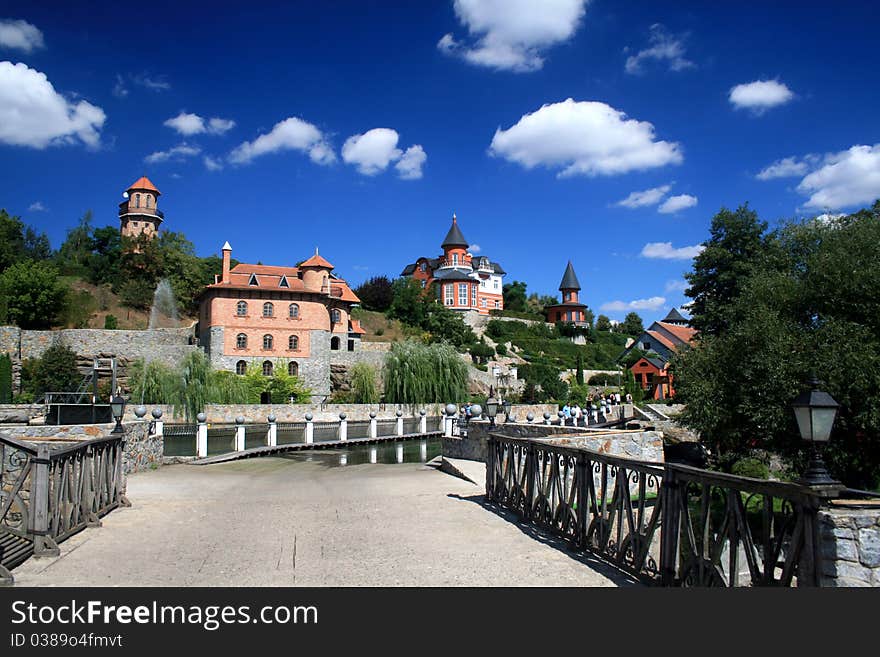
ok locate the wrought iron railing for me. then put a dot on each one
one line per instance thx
(49, 493)
(666, 524)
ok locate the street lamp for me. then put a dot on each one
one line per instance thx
(117, 408)
(491, 407)
(507, 406)
(815, 411)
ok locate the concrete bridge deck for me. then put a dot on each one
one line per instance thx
(277, 522)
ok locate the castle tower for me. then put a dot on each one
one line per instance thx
(569, 285)
(139, 213)
(455, 245)
(676, 318)
(316, 274)
(571, 309)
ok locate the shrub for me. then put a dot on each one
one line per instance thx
(5, 379)
(54, 371)
(110, 322)
(750, 467)
(501, 349)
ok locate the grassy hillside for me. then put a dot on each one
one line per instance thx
(379, 328)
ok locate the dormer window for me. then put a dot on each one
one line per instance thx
(283, 282)
(253, 280)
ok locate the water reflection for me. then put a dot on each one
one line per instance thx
(408, 451)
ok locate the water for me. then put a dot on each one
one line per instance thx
(405, 451)
(163, 314)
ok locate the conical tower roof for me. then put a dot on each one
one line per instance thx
(675, 317)
(569, 279)
(144, 183)
(454, 238)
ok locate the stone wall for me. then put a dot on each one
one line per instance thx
(142, 450)
(850, 546)
(19, 413)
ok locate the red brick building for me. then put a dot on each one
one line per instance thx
(660, 341)
(267, 315)
(139, 213)
(464, 281)
(571, 309)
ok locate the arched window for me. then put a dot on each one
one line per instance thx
(335, 316)
(267, 341)
(241, 341)
(240, 367)
(241, 308)
(267, 368)
(293, 369)
(293, 311)
(268, 309)
(137, 200)
(334, 344)
(293, 342)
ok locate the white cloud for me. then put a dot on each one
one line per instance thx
(675, 286)
(475, 248)
(845, 179)
(664, 48)
(291, 134)
(654, 303)
(151, 83)
(665, 251)
(192, 124)
(179, 152)
(37, 206)
(119, 89)
(648, 197)
(212, 163)
(409, 167)
(760, 95)
(511, 35)
(786, 168)
(373, 151)
(583, 138)
(20, 35)
(33, 114)
(675, 203)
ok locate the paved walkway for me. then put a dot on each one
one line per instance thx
(277, 522)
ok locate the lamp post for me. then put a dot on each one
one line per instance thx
(117, 408)
(507, 406)
(815, 411)
(491, 407)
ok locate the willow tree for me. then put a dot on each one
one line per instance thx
(417, 373)
(363, 384)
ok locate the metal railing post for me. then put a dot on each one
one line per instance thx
(44, 546)
(490, 466)
(669, 527)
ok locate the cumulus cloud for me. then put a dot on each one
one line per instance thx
(212, 163)
(760, 95)
(511, 35)
(665, 251)
(654, 303)
(845, 179)
(675, 286)
(642, 199)
(291, 134)
(373, 151)
(37, 206)
(475, 248)
(20, 35)
(675, 203)
(787, 167)
(409, 167)
(192, 124)
(33, 114)
(664, 49)
(179, 152)
(583, 138)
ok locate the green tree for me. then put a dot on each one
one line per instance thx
(110, 322)
(75, 252)
(5, 379)
(514, 295)
(603, 323)
(34, 297)
(363, 384)
(632, 324)
(417, 373)
(54, 371)
(734, 249)
(579, 370)
(19, 242)
(376, 293)
(813, 305)
(102, 263)
(410, 302)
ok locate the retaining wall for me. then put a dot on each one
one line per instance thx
(850, 546)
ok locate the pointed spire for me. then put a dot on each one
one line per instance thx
(226, 246)
(569, 279)
(454, 238)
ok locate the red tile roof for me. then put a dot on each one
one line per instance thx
(316, 261)
(144, 183)
(269, 277)
(683, 333)
(662, 339)
(356, 327)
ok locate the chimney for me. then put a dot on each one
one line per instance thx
(227, 254)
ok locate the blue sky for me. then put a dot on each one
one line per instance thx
(361, 127)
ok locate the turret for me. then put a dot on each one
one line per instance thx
(139, 213)
(316, 274)
(569, 285)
